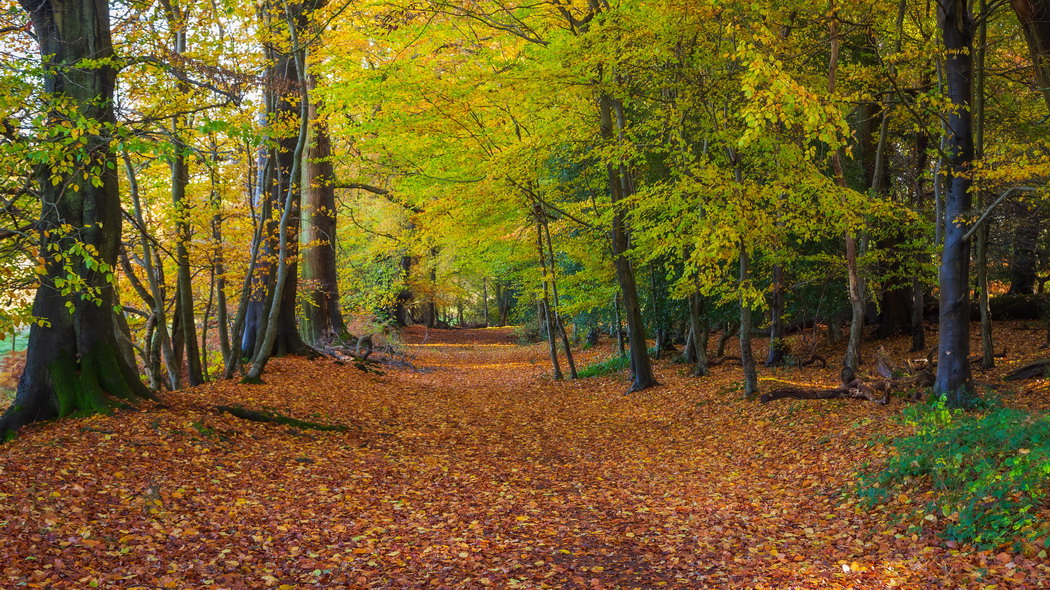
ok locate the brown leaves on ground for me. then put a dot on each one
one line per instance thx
(475, 472)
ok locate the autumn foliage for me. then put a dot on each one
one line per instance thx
(474, 470)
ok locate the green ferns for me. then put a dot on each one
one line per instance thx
(990, 472)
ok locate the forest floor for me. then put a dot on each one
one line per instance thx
(477, 470)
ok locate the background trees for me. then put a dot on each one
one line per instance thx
(657, 171)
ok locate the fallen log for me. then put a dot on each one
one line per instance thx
(270, 417)
(1036, 370)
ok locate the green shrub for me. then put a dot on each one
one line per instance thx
(610, 365)
(990, 472)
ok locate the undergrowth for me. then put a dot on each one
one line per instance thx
(609, 366)
(989, 471)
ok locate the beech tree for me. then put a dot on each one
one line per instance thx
(72, 363)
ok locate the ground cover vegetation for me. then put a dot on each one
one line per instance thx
(415, 255)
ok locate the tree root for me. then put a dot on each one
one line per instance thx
(877, 389)
(723, 359)
(275, 418)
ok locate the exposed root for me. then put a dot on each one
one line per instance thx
(275, 418)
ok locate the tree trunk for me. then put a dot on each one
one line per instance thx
(918, 304)
(545, 302)
(72, 362)
(1025, 257)
(280, 335)
(157, 297)
(485, 301)
(619, 326)
(322, 319)
(1034, 16)
(619, 189)
(954, 379)
(777, 345)
(554, 291)
(856, 284)
(987, 347)
(747, 357)
(219, 264)
(285, 90)
(185, 319)
(700, 334)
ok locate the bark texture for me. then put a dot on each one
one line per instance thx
(73, 363)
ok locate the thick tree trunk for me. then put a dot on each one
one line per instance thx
(72, 362)
(954, 379)
(285, 91)
(280, 335)
(322, 319)
(620, 188)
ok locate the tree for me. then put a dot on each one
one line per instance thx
(954, 379)
(72, 363)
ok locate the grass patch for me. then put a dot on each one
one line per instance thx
(990, 473)
(609, 366)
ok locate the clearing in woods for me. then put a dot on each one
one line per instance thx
(477, 471)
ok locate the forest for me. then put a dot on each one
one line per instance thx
(524, 294)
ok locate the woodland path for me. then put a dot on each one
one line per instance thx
(474, 472)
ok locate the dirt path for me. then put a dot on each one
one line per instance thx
(474, 472)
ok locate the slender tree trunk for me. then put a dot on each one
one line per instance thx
(700, 334)
(954, 379)
(180, 179)
(485, 301)
(554, 291)
(856, 286)
(544, 303)
(918, 304)
(747, 356)
(219, 264)
(156, 285)
(619, 326)
(777, 344)
(728, 331)
(987, 352)
(72, 362)
(286, 89)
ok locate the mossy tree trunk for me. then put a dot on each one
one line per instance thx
(73, 363)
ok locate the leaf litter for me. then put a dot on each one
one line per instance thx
(479, 472)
